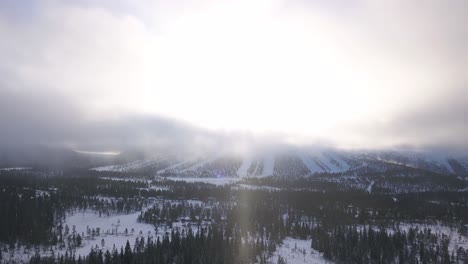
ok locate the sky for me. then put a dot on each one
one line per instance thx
(108, 75)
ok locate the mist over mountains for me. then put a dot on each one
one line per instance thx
(278, 160)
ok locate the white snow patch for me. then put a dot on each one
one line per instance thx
(124, 167)
(15, 168)
(112, 230)
(258, 187)
(268, 165)
(246, 162)
(297, 251)
(455, 238)
(343, 165)
(215, 181)
(369, 188)
(309, 163)
(174, 166)
(201, 163)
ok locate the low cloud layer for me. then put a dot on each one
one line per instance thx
(107, 75)
(56, 122)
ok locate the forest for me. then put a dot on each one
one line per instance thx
(205, 223)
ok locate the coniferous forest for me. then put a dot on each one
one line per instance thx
(234, 223)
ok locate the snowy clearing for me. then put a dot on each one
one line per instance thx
(112, 230)
(215, 181)
(246, 162)
(297, 251)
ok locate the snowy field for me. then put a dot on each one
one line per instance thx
(296, 251)
(15, 168)
(268, 166)
(215, 181)
(455, 238)
(115, 230)
(245, 165)
(112, 231)
(124, 167)
(257, 187)
(128, 179)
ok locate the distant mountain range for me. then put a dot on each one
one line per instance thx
(292, 163)
(289, 162)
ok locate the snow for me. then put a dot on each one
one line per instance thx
(124, 167)
(343, 164)
(309, 163)
(128, 179)
(268, 165)
(15, 168)
(112, 230)
(429, 160)
(464, 163)
(258, 187)
(297, 251)
(320, 161)
(215, 181)
(369, 188)
(174, 166)
(201, 163)
(326, 160)
(246, 162)
(455, 238)
(108, 225)
(448, 166)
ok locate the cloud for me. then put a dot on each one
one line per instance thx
(118, 74)
(434, 124)
(53, 121)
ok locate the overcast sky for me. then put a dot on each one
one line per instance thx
(104, 75)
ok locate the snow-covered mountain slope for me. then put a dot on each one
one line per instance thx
(154, 164)
(292, 163)
(208, 166)
(325, 161)
(424, 160)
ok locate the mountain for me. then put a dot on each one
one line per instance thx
(282, 162)
(431, 161)
(40, 157)
(292, 163)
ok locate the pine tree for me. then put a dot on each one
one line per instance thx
(107, 257)
(78, 240)
(128, 254)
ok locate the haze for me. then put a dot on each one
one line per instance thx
(105, 75)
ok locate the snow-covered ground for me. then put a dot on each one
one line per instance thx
(296, 251)
(152, 185)
(215, 181)
(174, 166)
(455, 238)
(112, 230)
(316, 160)
(309, 163)
(128, 179)
(319, 161)
(246, 162)
(258, 187)
(15, 168)
(268, 166)
(369, 188)
(201, 163)
(124, 167)
(330, 162)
